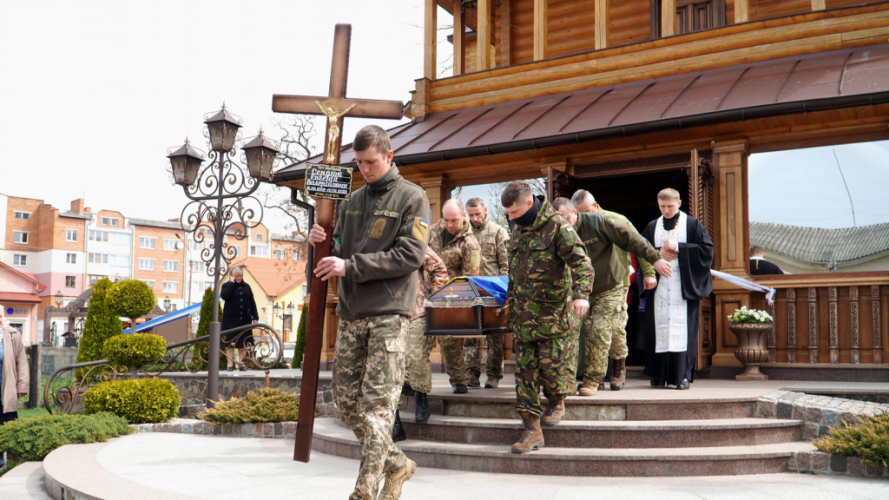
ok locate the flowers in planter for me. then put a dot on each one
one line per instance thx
(744, 315)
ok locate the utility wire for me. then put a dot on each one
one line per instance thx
(854, 223)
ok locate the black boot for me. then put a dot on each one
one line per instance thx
(397, 430)
(422, 407)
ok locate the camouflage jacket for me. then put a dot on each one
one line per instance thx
(432, 276)
(493, 240)
(462, 255)
(644, 266)
(548, 269)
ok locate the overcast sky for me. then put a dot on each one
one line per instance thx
(94, 92)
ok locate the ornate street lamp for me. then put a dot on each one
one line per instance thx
(167, 304)
(277, 309)
(59, 298)
(290, 309)
(221, 203)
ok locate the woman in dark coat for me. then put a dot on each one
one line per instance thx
(240, 309)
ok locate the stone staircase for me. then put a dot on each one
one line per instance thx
(635, 432)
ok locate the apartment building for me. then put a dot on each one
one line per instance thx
(109, 247)
(159, 259)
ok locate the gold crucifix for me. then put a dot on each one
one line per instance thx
(332, 111)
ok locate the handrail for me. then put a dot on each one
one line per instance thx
(262, 354)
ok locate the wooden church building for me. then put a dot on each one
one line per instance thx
(626, 97)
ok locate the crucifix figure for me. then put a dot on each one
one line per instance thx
(331, 107)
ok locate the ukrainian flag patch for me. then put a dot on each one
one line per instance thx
(420, 230)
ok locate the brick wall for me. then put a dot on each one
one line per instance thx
(32, 226)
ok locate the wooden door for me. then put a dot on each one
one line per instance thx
(700, 206)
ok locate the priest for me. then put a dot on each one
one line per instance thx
(672, 318)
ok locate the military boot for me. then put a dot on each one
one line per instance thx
(398, 430)
(421, 411)
(532, 435)
(589, 389)
(395, 481)
(553, 413)
(619, 377)
(492, 383)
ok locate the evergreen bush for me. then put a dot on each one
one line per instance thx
(32, 439)
(145, 400)
(101, 324)
(131, 299)
(260, 405)
(135, 350)
(299, 349)
(867, 439)
(200, 351)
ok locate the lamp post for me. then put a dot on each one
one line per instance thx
(59, 298)
(221, 203)
(167, 303)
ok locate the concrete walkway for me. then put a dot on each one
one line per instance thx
(175, 466)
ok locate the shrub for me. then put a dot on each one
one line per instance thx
(300, 348)
(147, 400)
(101, 324)
(260, 405)
(131, 299)
(868, 439)
(32, 439)
(135, 350)
(200, 352)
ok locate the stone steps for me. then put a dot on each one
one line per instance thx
(25, 482)
(610, 434)
(334, 439)
(614, 407)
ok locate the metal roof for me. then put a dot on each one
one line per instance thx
(155, 223)
(822, 246)
(829, 80)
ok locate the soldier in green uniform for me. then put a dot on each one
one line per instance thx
(493, 240)
(550, 278)
(601, 236)
(378, 245)
(585, 202)
(452, 239)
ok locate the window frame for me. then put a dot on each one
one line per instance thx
(151, 239)
(146, 259)
(20, 212)
(150, 283)
(70, 258)
(21, 258)
(68, 235)
(166, 241)
(174, 262)
(72, 283)
(175, 287)
(16, 234)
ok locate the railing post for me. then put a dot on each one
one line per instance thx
(35, 370)
(878, 324)
(856, 341)
(833, 312)
(813, 325)
(791, 325)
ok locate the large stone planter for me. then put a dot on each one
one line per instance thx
(753, 348)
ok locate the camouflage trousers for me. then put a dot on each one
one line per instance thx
(605, 332)
(472, 356)
(368, 375)
(574, 348)
(539, 363)
(452, 355)
(417, 367)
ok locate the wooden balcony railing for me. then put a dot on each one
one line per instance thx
(828, 318)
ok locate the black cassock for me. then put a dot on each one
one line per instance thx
(695, 259)
(762, 267)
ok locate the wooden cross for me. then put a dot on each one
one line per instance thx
(334, 106)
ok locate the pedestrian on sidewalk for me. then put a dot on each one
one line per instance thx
(240, 310)
(14, 375)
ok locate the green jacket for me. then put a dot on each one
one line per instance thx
(461, 255)
(602, 236)
(493, 240)
(381, 233)
(646, 268)
(548, 269)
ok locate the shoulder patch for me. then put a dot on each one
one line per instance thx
(474, 258)
(420, 230)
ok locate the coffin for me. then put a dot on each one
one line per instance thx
(462, 308)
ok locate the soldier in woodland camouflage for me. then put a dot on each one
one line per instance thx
(550, 278)
(452, 239)
(493, 240)
(378, 244)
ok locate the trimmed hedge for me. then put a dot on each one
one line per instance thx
(32, 439)
(131, 299)
(140, 401)
(100, 325)
(868, 440)
(260, 405)
(135, 350)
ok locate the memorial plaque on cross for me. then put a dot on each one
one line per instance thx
(335, 106)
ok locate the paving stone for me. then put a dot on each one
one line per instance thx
(838, 464)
